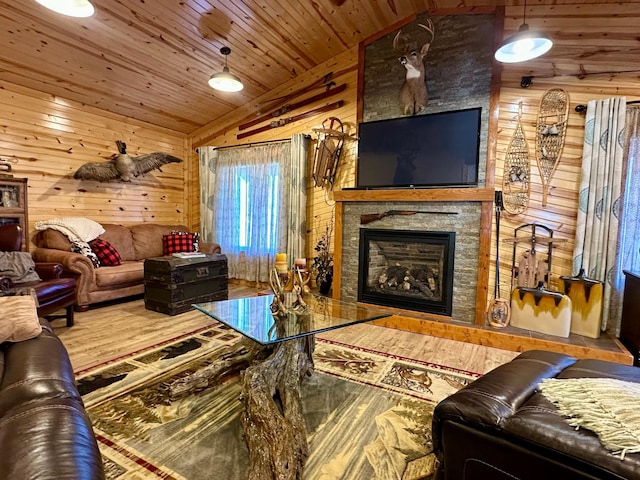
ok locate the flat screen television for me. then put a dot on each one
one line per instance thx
(431, 150)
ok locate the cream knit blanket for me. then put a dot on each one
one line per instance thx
(606, 406)
(77, 229)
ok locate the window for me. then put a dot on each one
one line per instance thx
(253, 203)
(256, 207)
(630, 221)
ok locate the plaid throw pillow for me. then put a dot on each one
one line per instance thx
(179, 242)
(107, 255)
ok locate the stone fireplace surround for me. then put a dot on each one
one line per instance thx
(471, 201)
(471, 224)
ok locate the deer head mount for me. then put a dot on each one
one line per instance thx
(413, 94)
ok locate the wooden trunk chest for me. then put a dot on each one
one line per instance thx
(172, 285)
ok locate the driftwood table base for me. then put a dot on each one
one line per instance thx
(275, 356)
(272, 419)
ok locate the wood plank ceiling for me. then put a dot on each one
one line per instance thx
(150, 60)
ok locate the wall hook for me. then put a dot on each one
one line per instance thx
(525, 82)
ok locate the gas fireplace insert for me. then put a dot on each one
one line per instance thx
(406, 269)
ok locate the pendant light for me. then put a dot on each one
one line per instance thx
(225, 81)
(71, 8)
(524, 45)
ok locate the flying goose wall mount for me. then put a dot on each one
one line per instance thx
(123, 167)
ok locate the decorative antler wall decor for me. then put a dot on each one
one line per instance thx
(123, 167)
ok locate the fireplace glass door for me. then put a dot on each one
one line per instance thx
(406, 269)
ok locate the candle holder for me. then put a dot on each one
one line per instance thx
(286, 280)
(303, 277)
(288, 290)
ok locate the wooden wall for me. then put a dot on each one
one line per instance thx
(49, 137)
(588, 39)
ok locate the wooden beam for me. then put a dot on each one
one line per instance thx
(484, 248)
(416, 195)
(337, 250)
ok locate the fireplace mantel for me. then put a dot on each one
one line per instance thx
(485, 196)
(416, 195)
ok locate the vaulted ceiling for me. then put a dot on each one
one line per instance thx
(151, 59)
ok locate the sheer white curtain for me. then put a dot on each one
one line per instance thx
(296, 182)
(600, 189)
(253, 203)
(208, 158)
(629, 250)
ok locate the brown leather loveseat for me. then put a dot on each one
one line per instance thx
(501, 427)
(134, 244)
(45, 433)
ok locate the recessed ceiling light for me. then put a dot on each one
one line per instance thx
(71, 8)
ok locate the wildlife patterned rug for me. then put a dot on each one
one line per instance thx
(368, 414)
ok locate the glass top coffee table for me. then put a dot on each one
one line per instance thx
(275, 357)
(252, 317)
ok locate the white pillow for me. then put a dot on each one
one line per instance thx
(19, 320)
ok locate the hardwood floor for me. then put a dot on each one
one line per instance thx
(452, 353)
(108, 332)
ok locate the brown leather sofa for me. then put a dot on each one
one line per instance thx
(501, 427)
(134, 243)
(45, 433)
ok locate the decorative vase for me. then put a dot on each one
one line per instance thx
(586, 296)
(325, 286)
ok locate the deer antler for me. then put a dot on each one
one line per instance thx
(404, 44)
(429, 28)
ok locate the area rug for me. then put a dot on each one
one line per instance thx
(368, 414)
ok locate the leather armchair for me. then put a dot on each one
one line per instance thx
(500, 427)
(53, 292)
